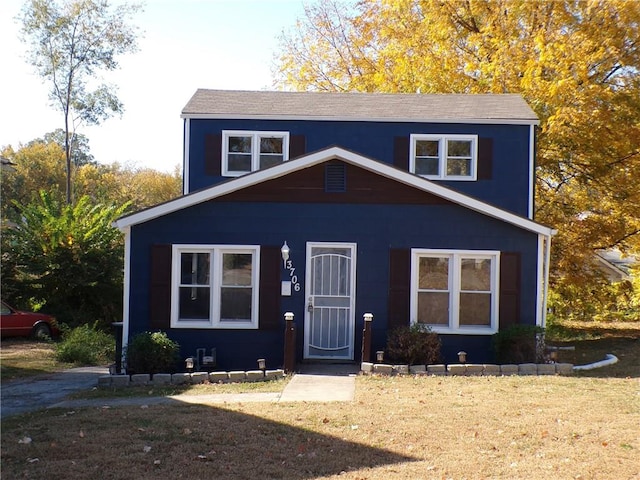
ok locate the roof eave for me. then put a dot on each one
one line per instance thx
(476, 121)
(320, 157)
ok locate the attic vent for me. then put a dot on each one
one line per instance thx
(335, 178)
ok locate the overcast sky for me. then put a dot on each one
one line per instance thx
(187, 44)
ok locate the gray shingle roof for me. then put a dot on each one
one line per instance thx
(486, 108)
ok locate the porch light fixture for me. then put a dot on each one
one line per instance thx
(285, 253)
(262, 364)
(462, 356)
(380, 356)
(189, 364)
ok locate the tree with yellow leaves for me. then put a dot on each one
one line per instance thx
(577, 63)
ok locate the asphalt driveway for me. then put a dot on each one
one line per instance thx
(22, 396)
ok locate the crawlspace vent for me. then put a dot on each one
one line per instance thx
(335, 178)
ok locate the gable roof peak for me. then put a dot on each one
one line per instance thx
(322, 156)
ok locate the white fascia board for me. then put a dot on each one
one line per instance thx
(476, 121)
(532, 170)
(446, 193)
(225, 188)
(186, 142)
(322, 156)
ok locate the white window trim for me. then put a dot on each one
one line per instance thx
(454, 289)
(255, 153)
(215, 279)
(442, 152)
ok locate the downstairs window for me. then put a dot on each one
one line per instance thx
(214, 286)
(455, 291)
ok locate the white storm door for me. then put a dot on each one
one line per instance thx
(330, 301)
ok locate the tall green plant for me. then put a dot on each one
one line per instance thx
(152, 352)
(66, 260)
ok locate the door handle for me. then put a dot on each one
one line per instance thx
(310, 305)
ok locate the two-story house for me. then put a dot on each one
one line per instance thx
(414, 208)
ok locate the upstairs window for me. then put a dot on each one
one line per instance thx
(247, 151)
(444, 157)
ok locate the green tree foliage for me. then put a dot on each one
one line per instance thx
(80, 151)
(66, 260)
(69, 43)
(39, 165)
(577, 63)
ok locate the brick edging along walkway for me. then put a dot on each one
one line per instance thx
(188, 378)
(469, 369)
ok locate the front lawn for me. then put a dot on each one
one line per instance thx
(397, 428)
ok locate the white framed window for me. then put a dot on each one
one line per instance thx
(444, 157)
(455, 291)
(215, 286)
(247, 151)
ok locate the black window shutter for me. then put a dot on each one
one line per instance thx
(269, 310)
(401, 153)
(160, 287)
(399, 287)
(297, 146)
(509, 289)
(213, 154)
(485, 158)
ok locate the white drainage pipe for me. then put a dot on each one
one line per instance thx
(609, 360)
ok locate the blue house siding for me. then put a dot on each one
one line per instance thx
(374, 228)
(507, 187)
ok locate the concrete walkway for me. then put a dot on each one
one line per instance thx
(314, 383)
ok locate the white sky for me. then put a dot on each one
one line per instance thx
(186, 44)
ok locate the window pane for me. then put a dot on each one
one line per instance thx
(240, 144)
(194, 303)
(459, 167)
(194, 269)
(236, 269)
(433, 308)
(239, 162)
(271, 145)
(270, 160)
(433, 273)
(459, 148)
(235, 304)
(475, 309)
(427, 148)
(476, 274)
(427, 166)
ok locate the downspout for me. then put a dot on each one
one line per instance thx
(126, 288)
(547, 264)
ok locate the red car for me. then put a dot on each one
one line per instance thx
(14, 323)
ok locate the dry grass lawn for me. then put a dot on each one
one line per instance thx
(397, 428)
(21, 357)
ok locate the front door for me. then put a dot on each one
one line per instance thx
(330, 297)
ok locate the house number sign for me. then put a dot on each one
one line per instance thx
(292, 275)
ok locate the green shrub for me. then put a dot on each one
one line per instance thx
(415, 345)
(517, 344)
(86, 345)
(152, 353)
